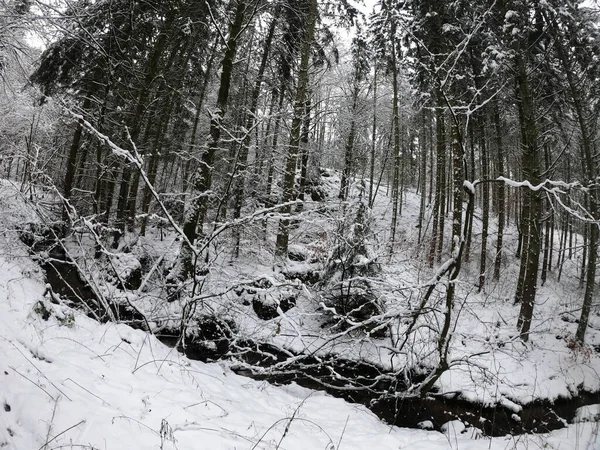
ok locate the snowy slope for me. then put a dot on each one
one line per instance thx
(69, 382)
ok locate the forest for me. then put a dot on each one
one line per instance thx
(395, 202)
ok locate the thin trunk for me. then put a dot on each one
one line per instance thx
(304, 153)
(562, 246)
(531, 200)
(396, 131)
(199, 108)
(262, 156)
(136, 126)
(294, 144)
(438, 198)
(442, 179)
(587, 131)
(485, 206)
(275, 142)
(500, 191)
(458, 178)
(423, 143)
(471, 177)
(547, 231)
(153, 168)
(70, 173)
(244, 148)
(374, 140)
(195, 215)
(348, 154)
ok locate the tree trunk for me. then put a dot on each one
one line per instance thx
(275, 142)
(136, 126)
(439, 198)
(587, 137)
(442, 180)
(283, 233)
(500, 192)
(531, 208)
(374, 140)
(485, 206)
(548, 223)
(423, 144)
(71, 165)
(244, 148)
(348, 154)
(304, 153)
(396, 134)
(194, 217)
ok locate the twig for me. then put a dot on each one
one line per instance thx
(136, 421)
(137, 359)
(205, 402)
(88, 391)
(342, 435)
(287, 427)
(61, 433)
(32, 382)
(51, 422)
(41, 373)
(72, 446)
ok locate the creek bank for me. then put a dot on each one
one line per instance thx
(354, 381)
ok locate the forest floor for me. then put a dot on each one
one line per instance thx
(69, 381)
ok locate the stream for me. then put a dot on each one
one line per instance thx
(354, 381)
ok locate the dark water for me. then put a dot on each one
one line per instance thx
(353, 381)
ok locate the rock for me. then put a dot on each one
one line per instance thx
(297, 253)
(318, 194)
(44, 238)
(134, 280)
(308, 273)
(129, 270)
(210, 338)
(42, 310)
(426, 425)
(287, 302)
(589, 413)
(453, 428)
(266, 308)
(324, 172)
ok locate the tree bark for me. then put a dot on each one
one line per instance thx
(500, 192)
(240, 186)
(194, 218)
(531, 208)
(485, 205)
(374, 140)
(283, 233)
(396, 134)
(439, 197)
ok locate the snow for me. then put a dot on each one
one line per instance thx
(453, 429)
(71, 382)
(426, 425)
(469, 186)
(109, 386)
(589, 413)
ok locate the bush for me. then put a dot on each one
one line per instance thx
(345, 280)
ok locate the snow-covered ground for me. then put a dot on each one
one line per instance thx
(68, 382)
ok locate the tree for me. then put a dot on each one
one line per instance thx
(385, 29)
(360, 70)
(575, 38)
(105, 61)
(243, 152)
(295, 132)
(196, 211)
